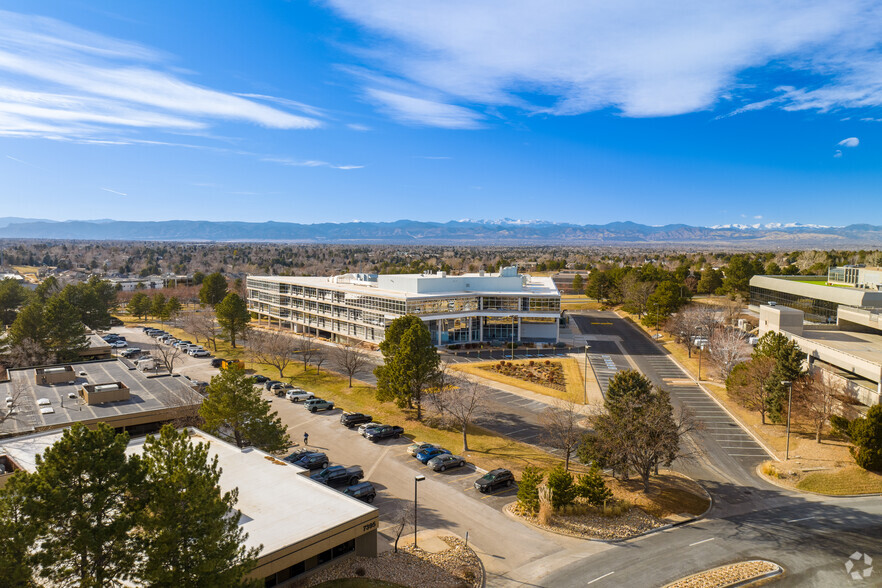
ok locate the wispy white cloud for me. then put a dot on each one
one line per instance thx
(642, 59)
(308, 163)
(849, 142)
(59, 81)
(421, 111)
(837, 154)
(359, 127)
(114, 192)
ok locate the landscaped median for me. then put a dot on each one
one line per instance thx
(742, 573)
(557, 378)
(845, 481)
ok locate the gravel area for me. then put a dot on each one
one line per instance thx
(726, 575)
(457, 567)
(592, 526)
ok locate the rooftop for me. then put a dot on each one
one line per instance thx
(866, 346)
(39, 407)
(279, 507)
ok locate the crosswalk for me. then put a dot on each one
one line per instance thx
(604, 369)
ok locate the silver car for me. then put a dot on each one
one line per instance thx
(367, 427)
(445, 462)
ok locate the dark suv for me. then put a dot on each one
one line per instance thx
(494, 479)
(313, 461)
(363, 491)
(352, 419)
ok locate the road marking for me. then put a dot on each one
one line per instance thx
(601, 577)
(370, 472)
(700, 542)
(802, 519)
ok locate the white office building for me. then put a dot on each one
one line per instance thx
(462, 309)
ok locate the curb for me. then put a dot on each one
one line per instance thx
(765, 576)
(711, 396)
(766, 478)
(736, 584)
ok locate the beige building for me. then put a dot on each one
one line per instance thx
(297, 523)
(810, 294)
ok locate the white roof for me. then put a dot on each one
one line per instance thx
(279, 506)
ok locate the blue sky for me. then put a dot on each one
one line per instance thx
(329, 111)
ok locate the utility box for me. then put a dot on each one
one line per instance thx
(101, 393)
(54, 375)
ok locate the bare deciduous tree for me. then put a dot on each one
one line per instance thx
(751, 387)
(816, 398)
(349, 359)
(696, 320)
(727, 347)
(273, 348)
(462, 403)
(636, 293)
(560, 422)
(203, 323)
(168, 356)
(402, 518)
(307, 348)
(731, 309)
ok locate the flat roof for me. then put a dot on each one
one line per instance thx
(148, 394)
(535, 286)
(866, 346)
(279, 506)
(798, 286)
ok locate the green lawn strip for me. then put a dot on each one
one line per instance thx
(844, 482)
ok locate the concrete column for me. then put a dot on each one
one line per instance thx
(366, 545)
(519, 329)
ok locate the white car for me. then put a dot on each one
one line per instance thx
(298, 395)
(199, 353)
(367, 427)
(119, 343)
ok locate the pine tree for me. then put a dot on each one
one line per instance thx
(627, 386)
(81, 498)
(788, 368)
(528, 488)
(563, 488)
(194, 542)
(233, 316)
(12, 296)
(410, 363)
(139, 305)
(17, 533)
(65, 335)
(234, 406)
(213, 290)
(29, 325)
(592, 487)
(172, 307)
(157, 306)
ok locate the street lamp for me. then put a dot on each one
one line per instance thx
(514, 322)
(416, 480)
(789, 385)
(700, 349)
(656, 320)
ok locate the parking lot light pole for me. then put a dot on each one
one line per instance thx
(416, 480)
(700, 349)
(789, 385)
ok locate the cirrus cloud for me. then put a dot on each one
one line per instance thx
(849, 142)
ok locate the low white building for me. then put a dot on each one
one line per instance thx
(469, 308)
(299, 524)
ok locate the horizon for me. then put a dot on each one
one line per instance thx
(704, 116)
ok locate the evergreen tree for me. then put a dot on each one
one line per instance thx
(83, 498)
(410, 363)
(578, 284)
(592, 487)
(157, 306)
(866, 434)
(663, 302)
(235, 408)
(528, 488)
(563, 488)
(194, 542)
(627, 387)
(17, 533)
(29, 326)
(788, 368)
(233, 316)
(12, 296)
(172, 308)
(94, 299)
(711, 280)
(214, 289)
(139, 305)
(65, 335)
(47, 288)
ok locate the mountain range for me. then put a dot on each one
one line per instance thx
(463, 232)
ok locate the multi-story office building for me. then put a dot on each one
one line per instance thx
(856, 276)
(457, 309)
(817, 300)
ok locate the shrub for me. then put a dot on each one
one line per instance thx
(359, 572)
(563, 488)
(866, 434)
(528, 488)
(593, 488)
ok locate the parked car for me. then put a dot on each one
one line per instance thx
(199, 353)
(316, 404)
(181, 344)
(269, 384)
(281, 386)
(131, 352)
(426, 454)
(298, 395)
(339, 475)
(198, 385)
(294, 457)
(363, 429)
(259, 378)
(443, 462)
(417, 447)
(110, 338)
(119, 343)
(494, 479)
(384, 432)
(351, 419)
(363, 491)
(313, 461)
(216, 363)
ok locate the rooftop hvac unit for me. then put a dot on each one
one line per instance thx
(106, 387)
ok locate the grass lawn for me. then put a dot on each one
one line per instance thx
(669, 494)
(823, 283)
(847, 481)
(575, 384)
(487, 450)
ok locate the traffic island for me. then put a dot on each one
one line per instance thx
(743, 573)
(440, 561)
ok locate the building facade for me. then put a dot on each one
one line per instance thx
(457, 309)
(818, 301)
(856, 276)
